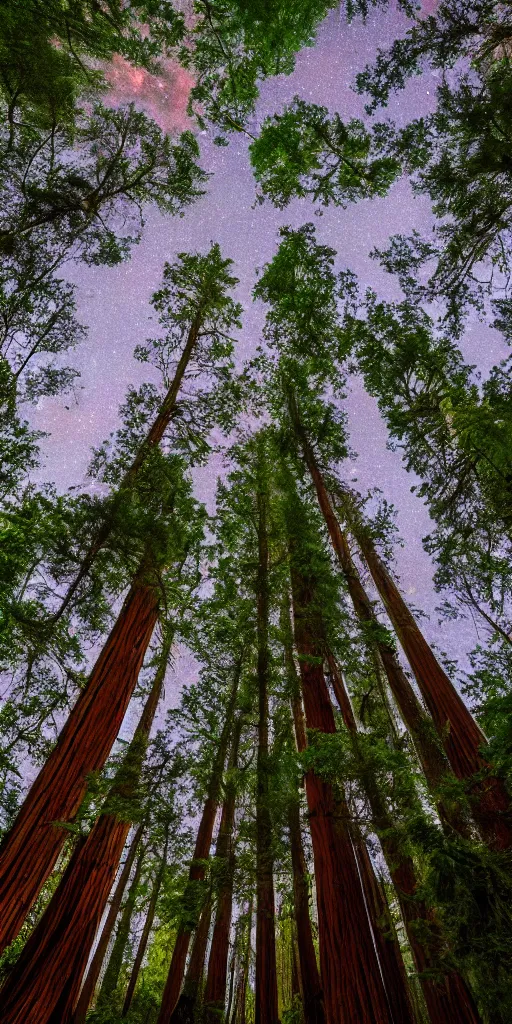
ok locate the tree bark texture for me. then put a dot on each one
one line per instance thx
(60, 945)
(89, 986)
(143, 941)
(185, 1009)
(45, 982)
(215, 989)
(428, 746)
(115, 961)
(30, 849)
(201, 852)
(462, 737)
(386, 940)
(266, 993)
(351, 978)
(310, 984)
(442, 989)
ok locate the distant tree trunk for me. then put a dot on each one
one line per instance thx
(215, 989)
(461, 735)
(442, 989)
(201, 852)
(146, 931)
(309, 975)
(352, 983)
(115, 961)
(239, 1013)
(310, 984)
(30, 849)
(44, 985)
(296, 979)
(151, 440)
(432, 758)
(266, 996)
(93, 973)
(386, 940)
(185, 1009)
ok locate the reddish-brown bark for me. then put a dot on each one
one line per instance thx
(309, 975)
(45, 982)
(184, 1011)
(386, 941)
(114, 965)
(143, 941)
(30, 849)
(215, 989)
(442, 989)
(60, 945)
(428, 746)
(461, 735)
(201, 853)
(266, 994)
(351, 978)
(93, 973)
(447, 996)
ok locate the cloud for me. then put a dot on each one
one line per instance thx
(164, 96)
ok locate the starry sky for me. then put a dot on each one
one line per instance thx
(114, 302)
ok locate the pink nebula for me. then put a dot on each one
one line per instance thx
(164, 96)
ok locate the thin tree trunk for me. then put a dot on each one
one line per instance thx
(151, 440)
(44, 985)
(241, 996)
(443, 989)
(115, 962)
(30, 849)
(146, 931)
(432, 758)
(215, 990)
(310, 984)
(266, 996)
(461, 735)
(386, 940)
(93, 973)
(185, 1009)
(201, 853)
(352, 982)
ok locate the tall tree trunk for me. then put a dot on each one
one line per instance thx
(443, 989)
(201, 853)
(151, 440)
(30, 849)
(146, 931)
(93, 973)
(310, 984)
(352, 982)
(461, 735)
(428, 746)
(215, 990)
(185, 1009)
(386, 940)
(266, 997)
(45, 983)
(239, 1011)
(115, 961)
(309, 975)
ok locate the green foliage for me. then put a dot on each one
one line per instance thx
(304, 152)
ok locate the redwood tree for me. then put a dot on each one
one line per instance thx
(266, 1010)
(353, 991)
(48, 974)
(200, 855)
(215, 988)
(463, 739)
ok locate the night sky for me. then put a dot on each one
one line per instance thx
(114, 302)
